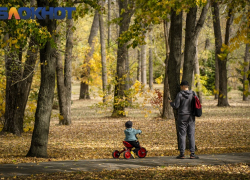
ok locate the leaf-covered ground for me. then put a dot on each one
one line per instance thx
(93, 135)
(227, 172)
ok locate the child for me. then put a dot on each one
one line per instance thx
(130, 134)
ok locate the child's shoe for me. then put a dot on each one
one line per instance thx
(132, 154)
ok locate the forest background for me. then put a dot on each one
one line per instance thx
(117, 61)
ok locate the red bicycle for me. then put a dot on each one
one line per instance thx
(141, 153)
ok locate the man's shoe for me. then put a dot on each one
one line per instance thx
(181, 156)
(193, 156)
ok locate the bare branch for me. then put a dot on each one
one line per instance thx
(202, 18)
(28, 75)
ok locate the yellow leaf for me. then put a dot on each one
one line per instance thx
(14, 41)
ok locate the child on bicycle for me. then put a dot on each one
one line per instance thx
(130, 135)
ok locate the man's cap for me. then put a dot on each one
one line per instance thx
(184, 83)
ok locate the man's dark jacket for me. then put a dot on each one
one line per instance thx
(183, 102)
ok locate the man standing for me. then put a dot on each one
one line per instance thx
(186, 119)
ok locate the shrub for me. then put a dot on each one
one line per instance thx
(157, 100)
(207, 73)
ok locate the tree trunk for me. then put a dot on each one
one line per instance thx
(248, 76)
(68, 68)
(246, 87)
(117, 16)
(64, 77)
(143, 64)
(181, 65)
(25, 84)
(207, 45)
(222, 63)
(167, 112)
(223, 99)
(150, 60)
(40, 134)
(110, 7)
(173, 72)
(109, 27)
(13, 74)
(84, 89)
(21, 89)
(218, 44)
(139, 65)
(216, 94)
(190, 46)
(127, 82)
(27, 75)
(61, 91)
(122, 56)
(192, 33)
(197, 73)
(103, 54)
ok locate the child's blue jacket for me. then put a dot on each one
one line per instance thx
(130, 134)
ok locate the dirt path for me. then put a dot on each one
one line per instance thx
(8, 170)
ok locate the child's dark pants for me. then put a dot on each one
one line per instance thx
(135, 144)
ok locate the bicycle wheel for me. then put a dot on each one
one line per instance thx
(142, 152)
(116, 154)
(127, 155)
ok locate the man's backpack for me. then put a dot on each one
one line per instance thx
(197, 110)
